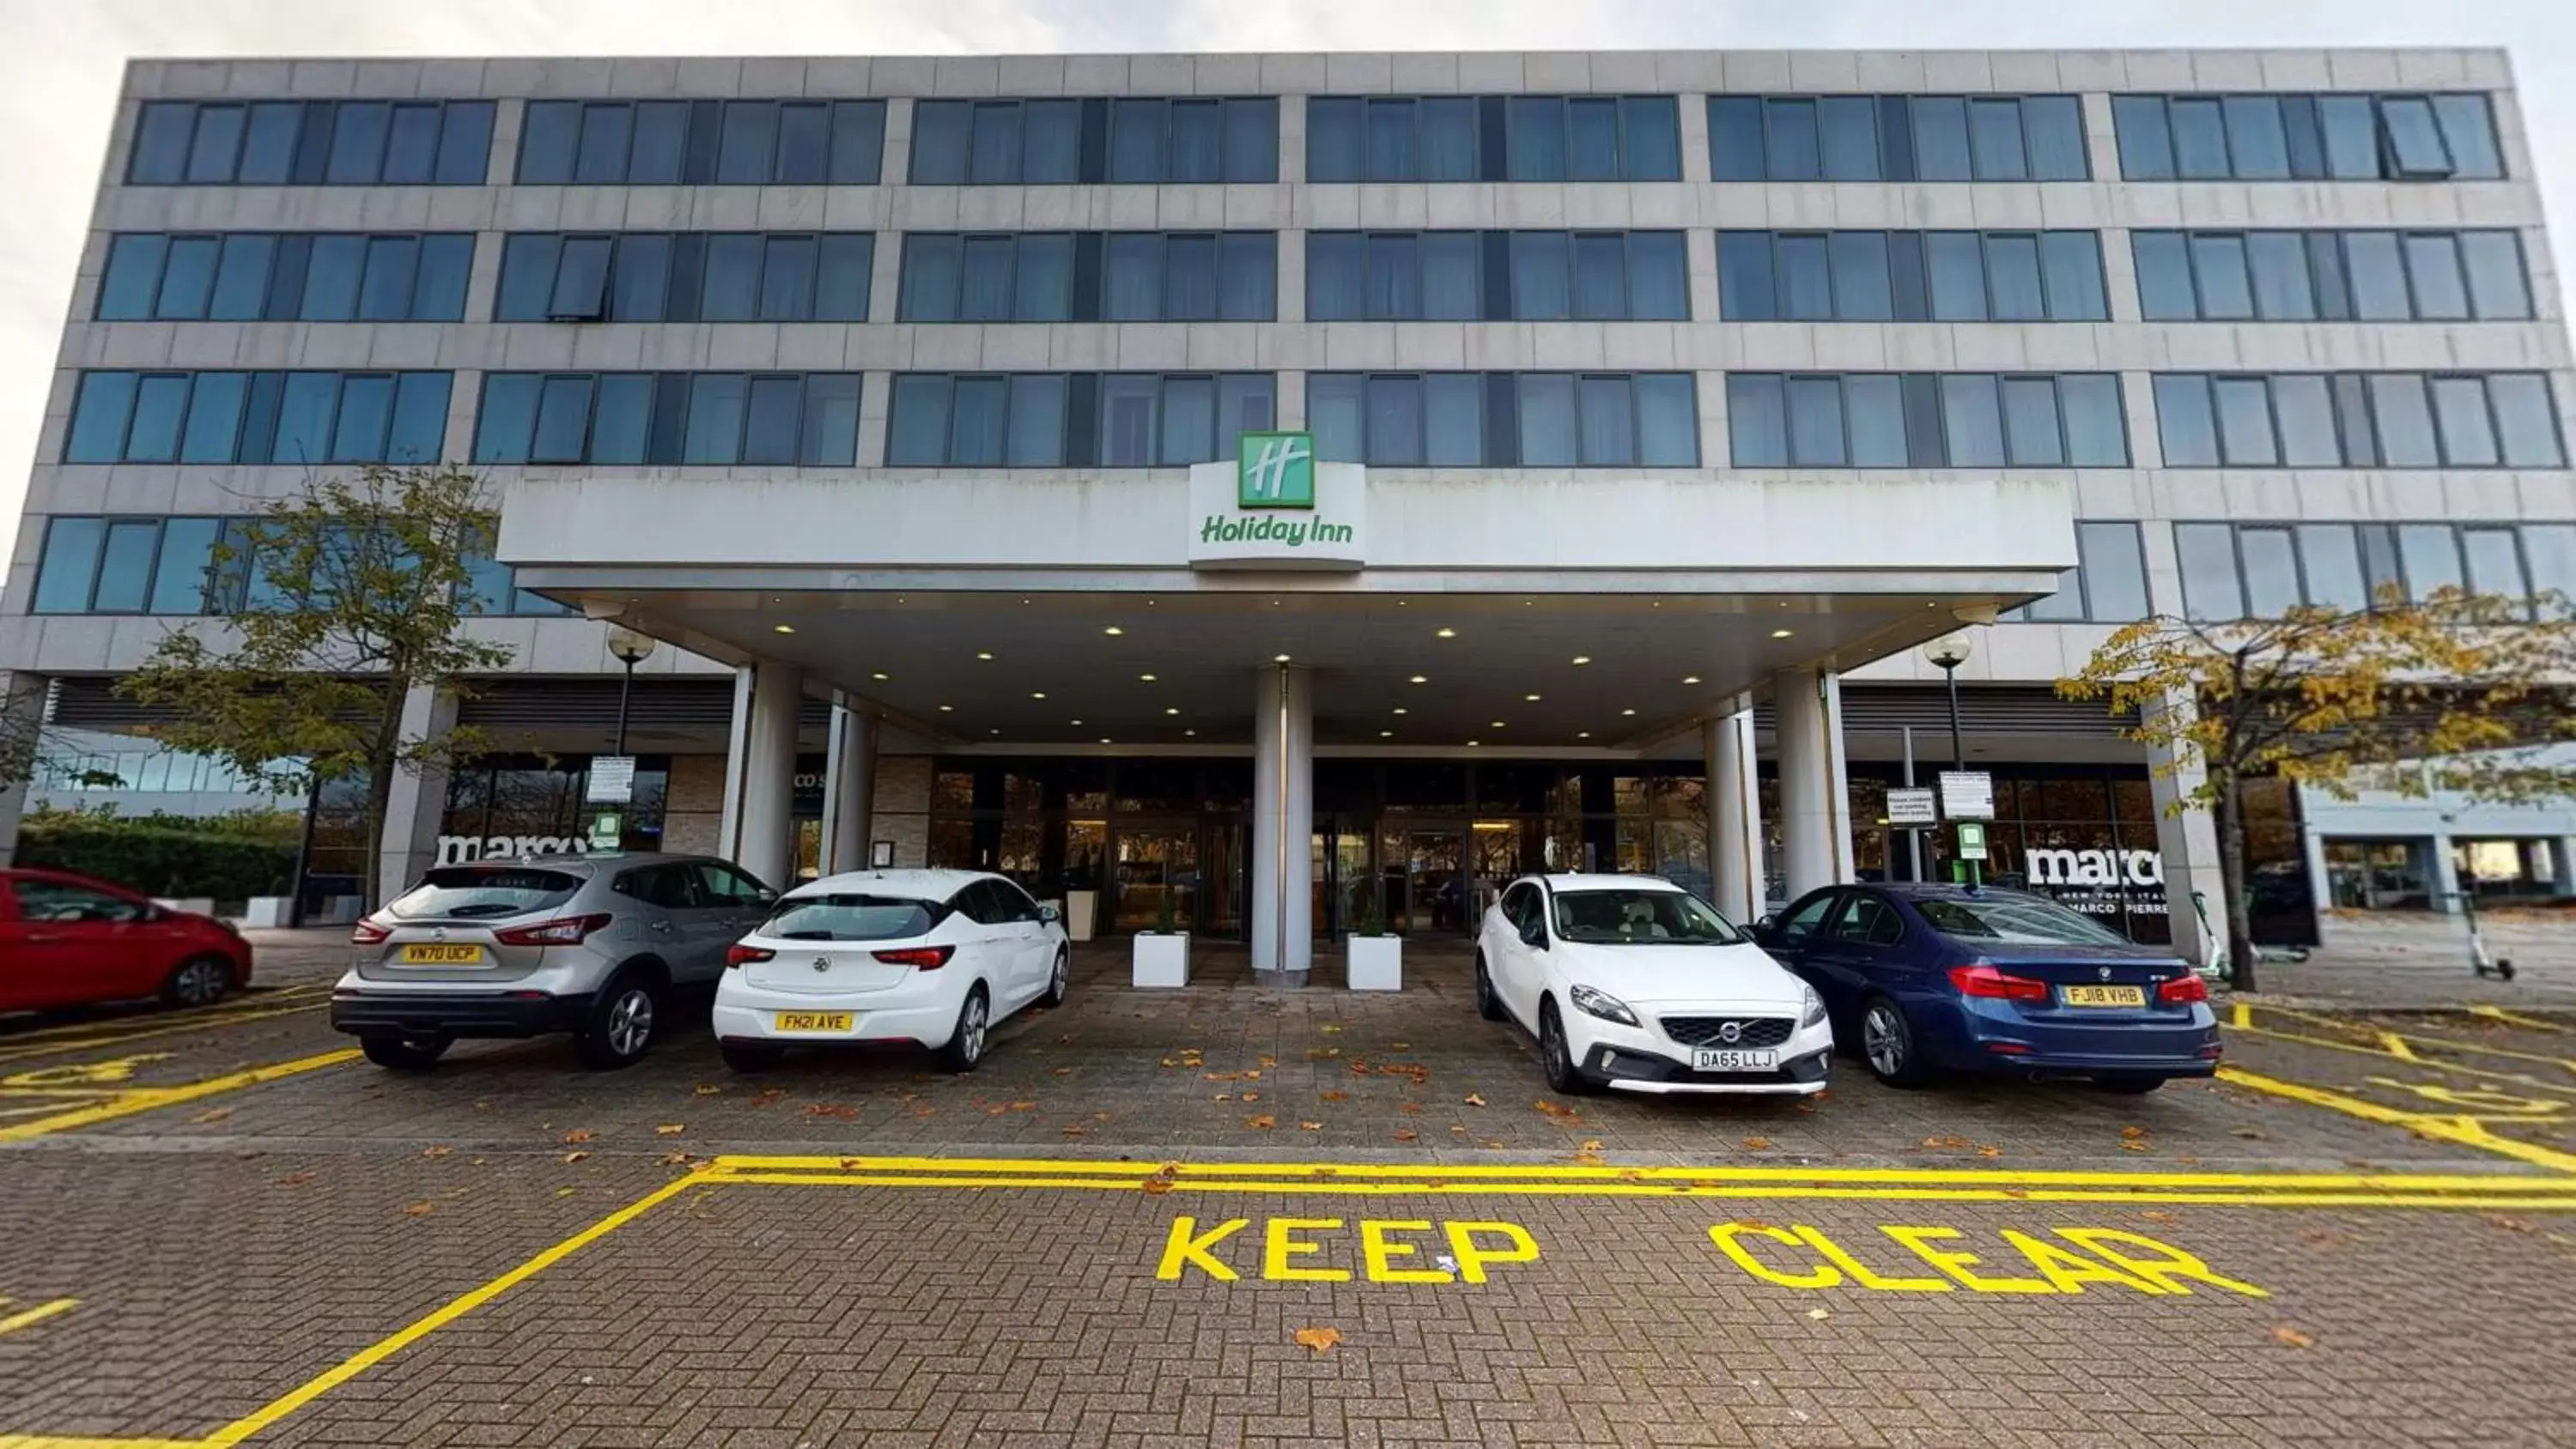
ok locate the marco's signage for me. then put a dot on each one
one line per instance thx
(461, 849)
(2101, 882)
(1276, 507)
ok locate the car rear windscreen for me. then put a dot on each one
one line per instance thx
(465, 893)
(849, 918)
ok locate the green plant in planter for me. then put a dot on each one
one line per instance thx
(1373, 916)
(1166, 916)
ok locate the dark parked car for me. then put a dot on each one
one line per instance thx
(1924, 979)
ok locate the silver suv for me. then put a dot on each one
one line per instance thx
(594, 945)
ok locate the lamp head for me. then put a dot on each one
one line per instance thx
(1950, 650)
(629, 646)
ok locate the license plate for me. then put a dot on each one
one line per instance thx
(1720, 1060)
(442, 955)
(2103, 995)
(813, 1021)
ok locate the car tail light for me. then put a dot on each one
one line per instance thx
(739, 955)
(1982, 979)
(568, 931)
(368, 933)
(2182, 990)
(927, 958)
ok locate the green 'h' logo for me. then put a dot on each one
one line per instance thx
(1275, 470)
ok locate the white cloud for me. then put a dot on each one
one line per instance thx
(61, 67)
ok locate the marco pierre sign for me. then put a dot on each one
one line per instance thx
(2100, 882)
(1275, 507)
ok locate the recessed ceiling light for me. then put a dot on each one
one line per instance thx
(1037, 694)
(1077, 724)
(1420, 679)
(1525, 603)
(1657, 604)
(1386, 734)
(1113, 631)
(880, 674)
(1146, 677)
(1104, 739)
(1190, 732)
(995, 732)
(1582, 659)
(1024, 601)
(898, 598)
(1471, 744)
(1690, 679)
(1278, 658)
(1782, 633)
(1532, 698)
(1172, 709)
(1400, 709)
(948, 709)
(1627, 712)
(1445, 633)
(984, 654)
(783, 628)
(1498, 724)
(1583, 734)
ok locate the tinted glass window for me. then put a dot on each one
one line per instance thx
(2016, 919)
(1640, 918)
(463, 893)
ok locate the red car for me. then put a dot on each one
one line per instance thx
(66, 940)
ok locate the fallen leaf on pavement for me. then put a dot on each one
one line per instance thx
(1318, 1054)
(216, 1114)
(1955, 1143)
(1407, 1134)
(1225, 1096)
(1310, 1126)
(1262, 1123)
(708, 1089)
(1269, 1061)
(2512, 1225)
(574, 1156)
(1399, 1046)
(1334, 1096)
(1252, 1076)
(420, 1209)
(1414, 1108)
(582, 1134)
(566, 1191)
(1077, 1131)
(1220, 1076)
(830, 1109)
(1318, 1339)
(1756, 1224)
(670, 1129)
(1329, 1029)
(2251, 1134)
(1024, 1106)
(675, 1159)
(2133, 1145)
(2289, 1337)
(2156, 1216)
(440, 1151)
(1252, 1096)
(295, 1179)
(1819, 1313)
(2133, 1133)
(1554, 1109)
(1757, 1144)
(1473, 1099)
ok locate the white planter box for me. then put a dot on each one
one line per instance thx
(1081, 913)
(1375, 963)
(1161, 960)
(265, 913)
(190, 905)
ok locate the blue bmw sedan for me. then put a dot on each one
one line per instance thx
(1926, 979)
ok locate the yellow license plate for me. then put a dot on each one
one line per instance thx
(813, 1021)
(442, 955)
(2104, 995)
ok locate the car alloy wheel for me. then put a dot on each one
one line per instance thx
(1554, 1054)
(966, 1044)
(630, 1022)
(199, 981)
(970, 1028)
(1061, 982)
(1488, 1005)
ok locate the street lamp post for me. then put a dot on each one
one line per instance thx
(1946, 654)
(631, 649)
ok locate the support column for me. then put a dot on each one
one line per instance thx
(2561, 885)
(849, 787)
(1283, 823)
(1810, 817)
(419, 800)
(1734, 815)
(767, 823)
(2187, 842)
(2320, 875)
(737, 753)
(1846, 867)
(22, 725)
(2445, 876)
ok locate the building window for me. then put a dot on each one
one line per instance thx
(1910, 276)
(2357, 420)
(1119, 276)
(151, 565)
(1128, 140)
(1896, 138)
(2107, 586)
(299, 418)
(2333, 276)
(1496, 276)
(1505, 419)
(2282, 136)
(1073, 420)
(701, 143)
(1925, 420)
(285, 277)
(2262, 571)
(787, 419)
(684, 277)
(311, 143)
(1493, 138)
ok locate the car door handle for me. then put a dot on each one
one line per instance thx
(42, 940)
(660, 928)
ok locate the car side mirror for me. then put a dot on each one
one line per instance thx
(1534, 933)
(765, 896)
(1049, 914)
(1767, 926)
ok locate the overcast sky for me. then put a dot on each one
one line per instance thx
(60, 64)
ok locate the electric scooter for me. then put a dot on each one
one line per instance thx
(2481, 960)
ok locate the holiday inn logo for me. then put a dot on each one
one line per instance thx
(1275, 470)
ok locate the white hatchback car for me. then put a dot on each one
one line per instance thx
(928, 956)
(1632, 983)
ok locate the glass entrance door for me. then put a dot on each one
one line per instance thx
(1155, 865)
(1424, 870)
(1223, 898)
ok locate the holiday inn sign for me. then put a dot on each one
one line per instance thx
(1275, 507)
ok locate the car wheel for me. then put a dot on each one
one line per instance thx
(198, 981)
(749, 1056)
(966, 1044)
(1557, 1056)
(1887, 1044)
(2128, 1084)
(622, 1022)
(405, 1054)
(1061, 983)
(1488, 1004)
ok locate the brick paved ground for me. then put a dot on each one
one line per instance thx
(227, 1248)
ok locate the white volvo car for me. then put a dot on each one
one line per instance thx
(1632, 983)
(932, 957)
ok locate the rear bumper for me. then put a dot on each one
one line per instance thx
(1995, 1038)
(1627, 1069)
(456, 1014)
(748, 1014)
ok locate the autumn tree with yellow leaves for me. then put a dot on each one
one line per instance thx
(2470, 688)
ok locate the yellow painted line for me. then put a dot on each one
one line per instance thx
(2462, 1130)
(2395, 1045)
(2516, 1018)
(2564, 1200)
(2417, 1038)
(375, 1353)
(146, 1099)
(37, 1314)
(2241, 1014)
(69, 1441)
(11, 1049)
(1307, 1174)
(2482, 1074)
